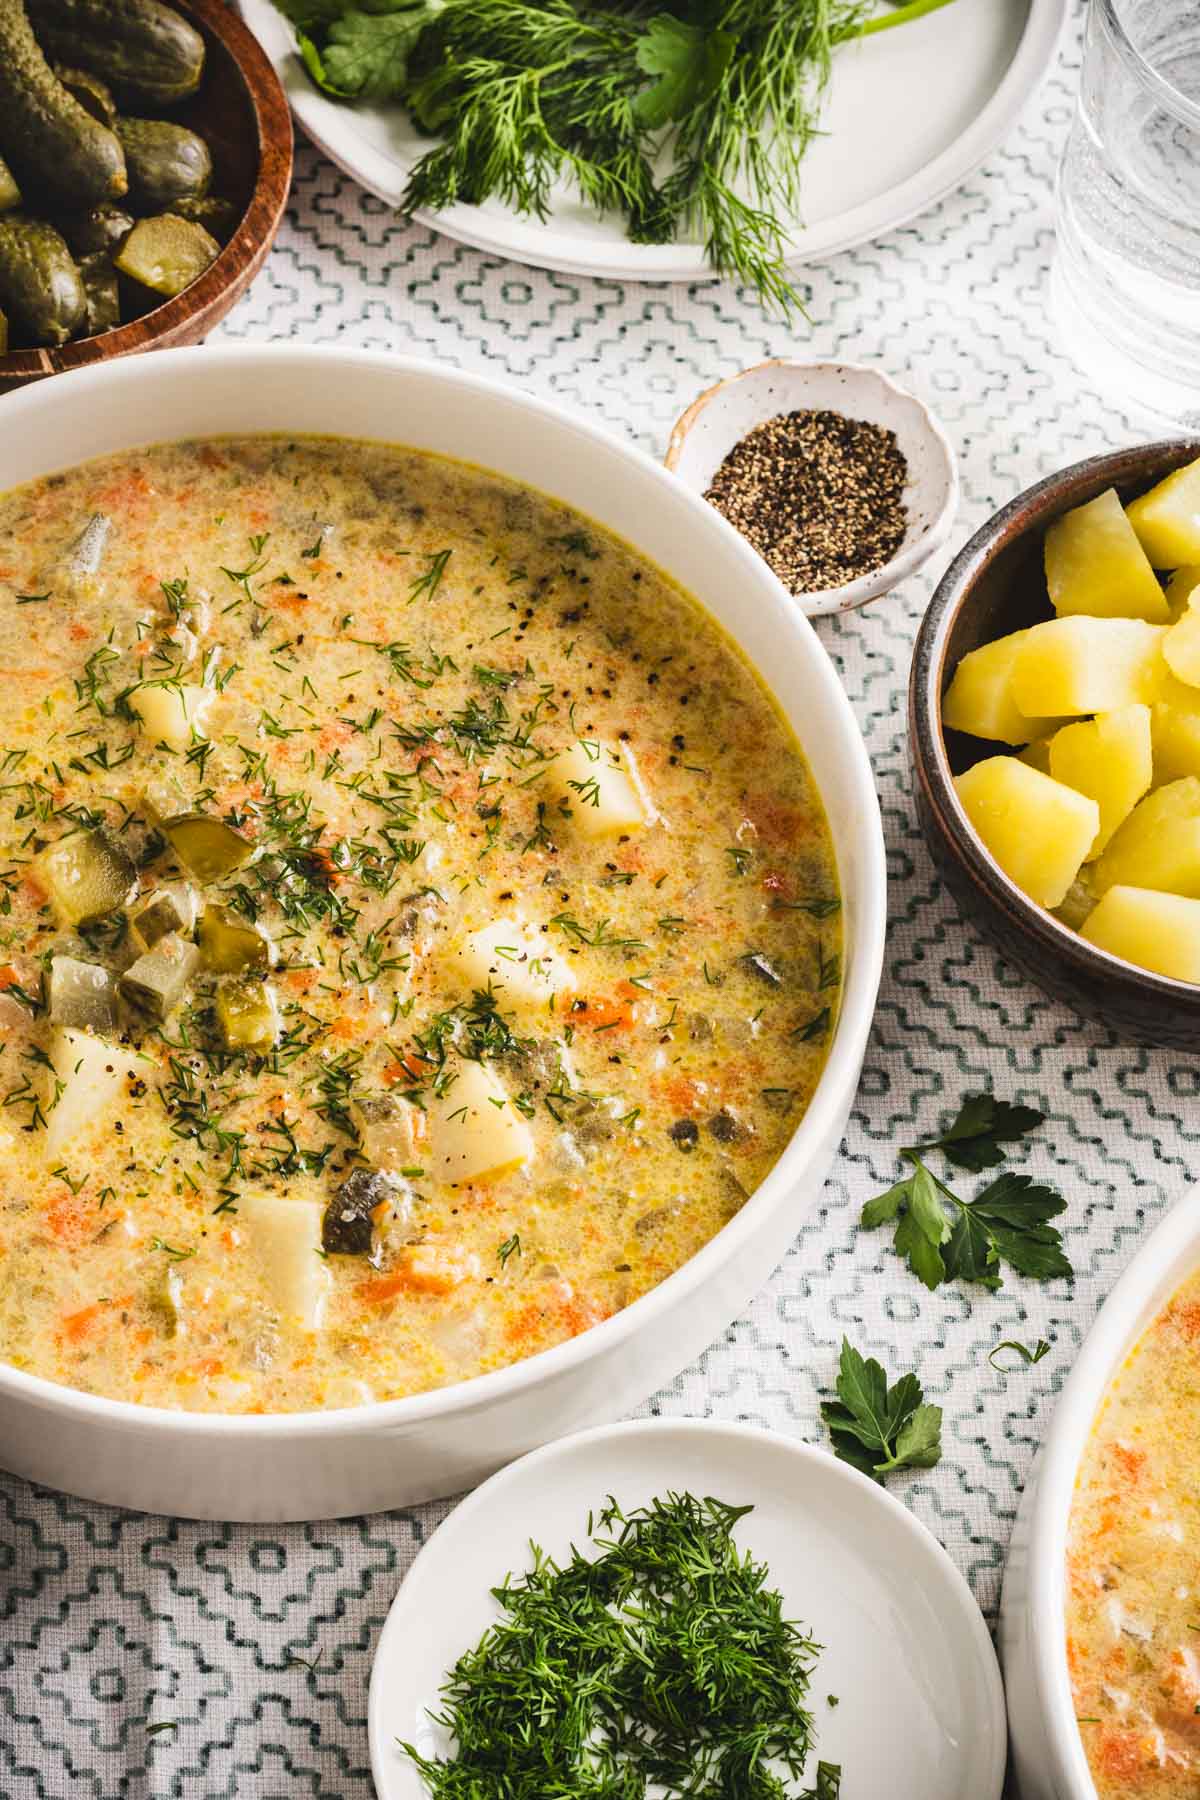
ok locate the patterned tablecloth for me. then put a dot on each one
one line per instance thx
(257, 1641)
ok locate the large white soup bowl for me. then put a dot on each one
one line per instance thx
(315, 1465)
(1047, 1750)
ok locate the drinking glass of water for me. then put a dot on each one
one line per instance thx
(1126, 280)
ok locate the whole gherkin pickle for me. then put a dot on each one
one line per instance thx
(166, 162)
(41, 288)
(94, 95)
(103, 294)
(148, 51)
(217, 215)
(99, 230)
(10, 193)
(51, 141)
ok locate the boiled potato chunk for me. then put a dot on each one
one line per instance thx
(979, 699)
(1182, 587)
(1095, 565)
(1070, 666)
(1175, 731)
(1181, 648)
(173, 714)
(286, 1233)
(1037, 754)
(515, 957)
(1157, 931)
(1158, 846)
(1167, 519)
(475, 1132)
(95, 1077)
(1038, 830)
(601, 785)
(1109, 758)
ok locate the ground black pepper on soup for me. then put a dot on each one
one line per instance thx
(419, 931)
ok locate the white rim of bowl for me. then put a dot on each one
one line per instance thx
(851, 1030)
(1107, 1343)
(906, 1524)
(909, 558)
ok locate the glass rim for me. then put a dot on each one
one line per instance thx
(1151, 78)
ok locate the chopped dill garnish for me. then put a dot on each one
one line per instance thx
(510, 1247)
(665, 1664)
(427, 584)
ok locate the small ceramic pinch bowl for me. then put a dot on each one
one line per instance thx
(997, 585)
(905, 1651)
(720, 417)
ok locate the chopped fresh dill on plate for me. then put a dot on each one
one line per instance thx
(659, 1660)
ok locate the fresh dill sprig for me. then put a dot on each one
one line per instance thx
(522, 96)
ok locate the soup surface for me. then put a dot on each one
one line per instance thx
(419, 931)
(1133, 1598)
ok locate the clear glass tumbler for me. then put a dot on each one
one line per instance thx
(1126, 280)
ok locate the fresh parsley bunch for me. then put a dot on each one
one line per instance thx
(947, 1238)
(674, 116)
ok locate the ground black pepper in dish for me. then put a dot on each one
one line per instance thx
(818, 495)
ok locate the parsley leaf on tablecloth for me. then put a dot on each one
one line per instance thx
(973, 1141)
(947, 1238)
(877, 1428)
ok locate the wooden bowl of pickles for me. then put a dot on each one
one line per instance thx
(145, 161)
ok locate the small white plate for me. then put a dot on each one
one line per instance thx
(909, 115)
(920, 1712)
(720, 417)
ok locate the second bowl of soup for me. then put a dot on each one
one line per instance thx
(1100, 1621)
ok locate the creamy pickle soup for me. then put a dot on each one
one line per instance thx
(1133, 1570)
(419, 931)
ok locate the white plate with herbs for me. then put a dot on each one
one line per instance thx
(897, 1670)
(908, 115)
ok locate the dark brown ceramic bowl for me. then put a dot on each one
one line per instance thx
(997, 585)
(242, 112)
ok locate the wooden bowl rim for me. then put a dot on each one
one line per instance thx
(1030, 510)
(245, 251)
